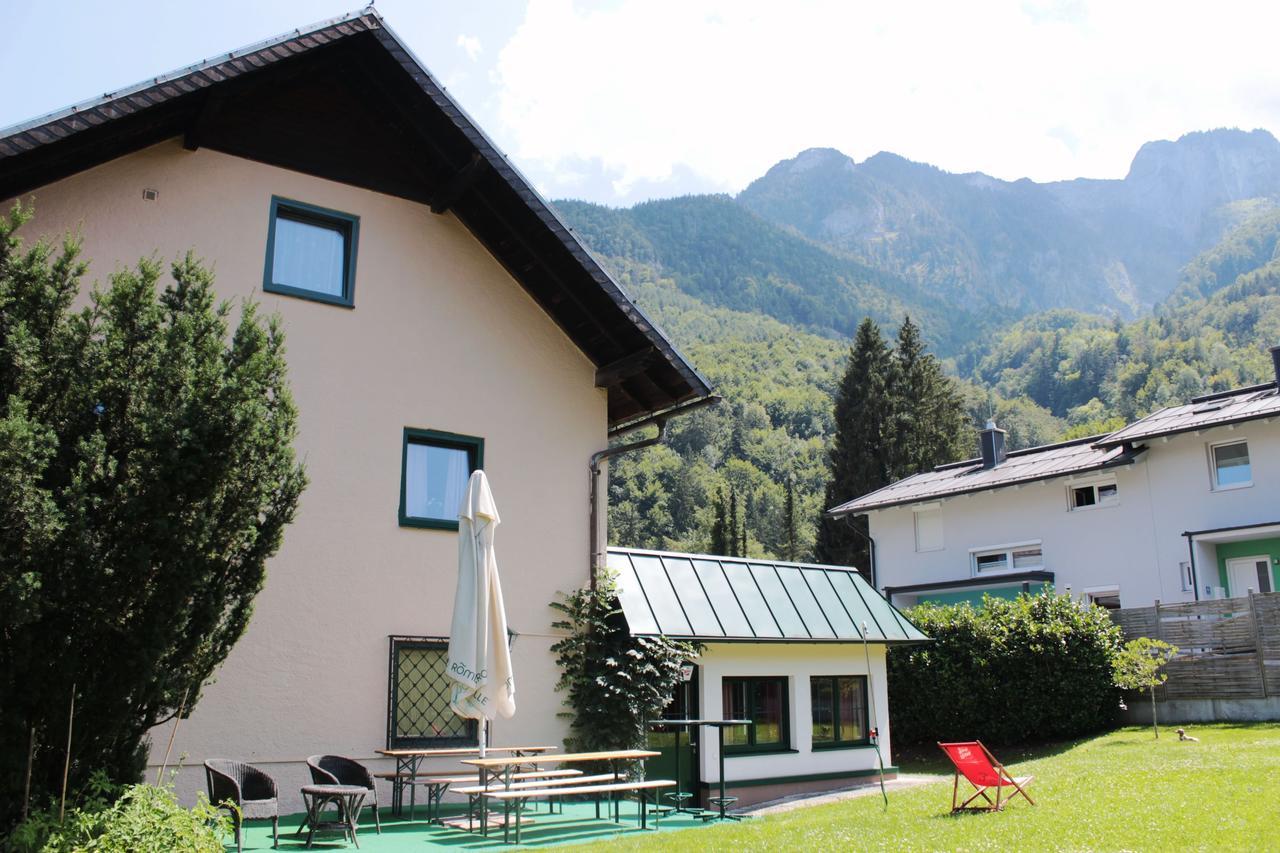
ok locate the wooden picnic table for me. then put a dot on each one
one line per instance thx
(501, 768)
(408, 761)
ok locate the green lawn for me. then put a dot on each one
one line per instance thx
(1121, 791)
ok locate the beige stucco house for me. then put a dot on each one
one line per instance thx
(439, 317)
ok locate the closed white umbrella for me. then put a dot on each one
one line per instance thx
(479, 657)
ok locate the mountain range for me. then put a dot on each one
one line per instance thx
(820, 240)
(1062, 309)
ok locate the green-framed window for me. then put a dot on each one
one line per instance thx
(418, 712)
(763, 700)
(434, 469)
(311, 252)
(838, 704)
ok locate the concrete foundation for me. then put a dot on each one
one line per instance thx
(764, 791)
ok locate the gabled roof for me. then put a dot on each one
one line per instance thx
(1021, 466)
(345, 99)
(729, 599)
(1211, 410)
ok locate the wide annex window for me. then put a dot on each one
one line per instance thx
(764, 702)
(838, 704)
(311, 252)
(418, 712)
(435, 467)
(1007, 558)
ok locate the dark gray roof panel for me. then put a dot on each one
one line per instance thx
(711, 598)
(1021, 466)
(1216, 410)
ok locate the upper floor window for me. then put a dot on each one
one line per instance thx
(1230, 463)
(1026, 557)
(311, 252)
(928, 520)
(1103, 493)
(435, 467)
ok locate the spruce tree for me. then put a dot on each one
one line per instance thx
(790, 519)
(860, 455)
(146, 475)
(931, 426)
(720, 527)
(732, 550)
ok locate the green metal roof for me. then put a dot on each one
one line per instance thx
(708, 598)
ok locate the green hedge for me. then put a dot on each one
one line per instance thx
(1037, 668)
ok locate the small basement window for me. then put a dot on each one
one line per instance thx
(1107, 598)
(1094, 494)
(763, 701)
(839, 707)
(418, 702)
(1230, 463)
(434, 470)
(311, 252)
(1007, 558)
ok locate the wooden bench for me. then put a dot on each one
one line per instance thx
(437, 783)
(474, 792)
(641, 789)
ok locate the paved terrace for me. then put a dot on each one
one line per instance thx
(577, 825)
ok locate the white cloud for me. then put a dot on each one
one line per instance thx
(652, 89)
(470, 46)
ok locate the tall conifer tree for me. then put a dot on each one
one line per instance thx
(720, 527)
(859, 460)
(931, 426)
(790, 519)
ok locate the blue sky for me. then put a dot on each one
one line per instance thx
(629, 99)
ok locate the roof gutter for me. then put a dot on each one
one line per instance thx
(658, 419)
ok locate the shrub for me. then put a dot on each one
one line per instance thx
(146, 475)
(1038, 668)
(615, 683)
(143, 819)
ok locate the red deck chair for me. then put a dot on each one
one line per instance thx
(976, 763)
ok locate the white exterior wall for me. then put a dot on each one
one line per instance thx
(1136, 544)
(796, 661)
(441, 337)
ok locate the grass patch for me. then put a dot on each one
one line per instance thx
(1120, 791)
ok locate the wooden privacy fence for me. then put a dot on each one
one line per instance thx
(1229, 648)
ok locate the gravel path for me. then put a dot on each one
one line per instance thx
(800, 801)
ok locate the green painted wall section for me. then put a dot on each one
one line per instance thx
(1251, 548)
(974, 596)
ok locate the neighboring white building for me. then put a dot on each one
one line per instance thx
(1181, 505)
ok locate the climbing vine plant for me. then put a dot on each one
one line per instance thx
(613, 683)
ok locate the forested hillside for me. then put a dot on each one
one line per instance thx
(766, 311)
(726, 256)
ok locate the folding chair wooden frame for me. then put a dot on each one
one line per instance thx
(999, 778)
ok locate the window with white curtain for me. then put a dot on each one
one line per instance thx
(311, 252)
(435, 468)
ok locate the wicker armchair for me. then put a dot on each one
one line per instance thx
(249, 788)
(336, 770)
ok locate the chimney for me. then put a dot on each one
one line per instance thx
(1275, 363)
(991, 444)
